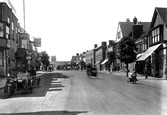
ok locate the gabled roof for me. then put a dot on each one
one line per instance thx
(162, 12)
(126, 28)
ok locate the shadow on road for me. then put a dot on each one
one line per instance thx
(45, 86)
(49, 113)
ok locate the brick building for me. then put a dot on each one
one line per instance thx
(8, 35)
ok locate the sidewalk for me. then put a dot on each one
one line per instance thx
(3, 79)
(140, 77)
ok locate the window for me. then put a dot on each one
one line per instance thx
(1, 30)
(24, 44)
(12, 32)
(8, 57)
(145, 43)
(1, 58)
(8, 20)
(7, 32)
(155, 34)
(140, 48)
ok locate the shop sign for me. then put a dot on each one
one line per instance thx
(37, 42)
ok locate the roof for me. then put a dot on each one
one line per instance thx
(126, 28)
(162, 12)
(146, 26)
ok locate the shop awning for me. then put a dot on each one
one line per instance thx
(104, 61)
(149, 51)
(139, 55)
(97, 62)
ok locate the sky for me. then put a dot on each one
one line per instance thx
(67, 27)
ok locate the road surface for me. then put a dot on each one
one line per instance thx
(73, 93)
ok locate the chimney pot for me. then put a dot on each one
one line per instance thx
(103, 43)
(135, 20)
(95, 45)
(127, 20)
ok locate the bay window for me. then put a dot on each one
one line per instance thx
(1, 30)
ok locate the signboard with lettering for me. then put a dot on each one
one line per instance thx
(37, 42)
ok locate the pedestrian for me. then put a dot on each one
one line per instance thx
(146, 72)
(31, 70)
(166, 70)
(13, 68)
(134, 75)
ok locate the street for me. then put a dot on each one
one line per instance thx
(73, 93)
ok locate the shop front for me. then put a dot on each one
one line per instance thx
(153, 59)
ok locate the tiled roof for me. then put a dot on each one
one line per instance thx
(163, 14)
(146, 26)
(126, 27)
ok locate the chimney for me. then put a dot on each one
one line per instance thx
(127, 20)
(103, 43)
(135, 20)
(95, 46)
(111, 42)
(137, 30)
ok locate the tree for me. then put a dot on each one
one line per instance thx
(111, 57)
(45, 58)
(127, 51)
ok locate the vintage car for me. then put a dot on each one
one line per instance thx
(91, 71)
